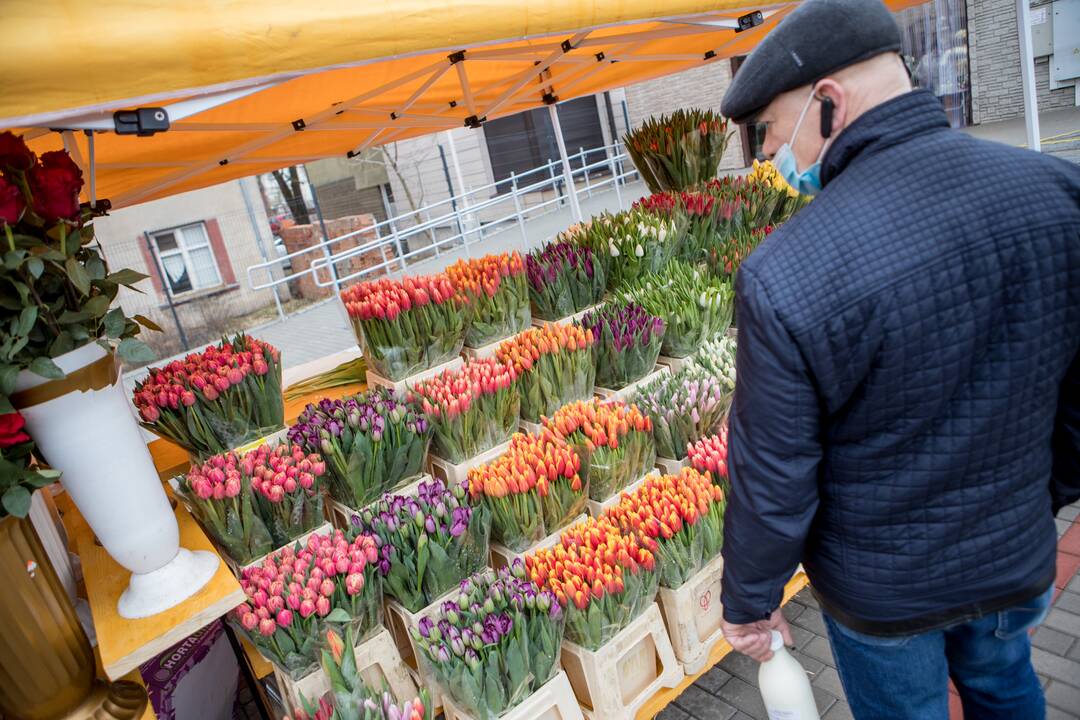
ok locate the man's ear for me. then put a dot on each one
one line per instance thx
(833, 106)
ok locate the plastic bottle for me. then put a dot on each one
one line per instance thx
(784, 685)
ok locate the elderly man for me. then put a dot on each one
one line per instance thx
(907, 417)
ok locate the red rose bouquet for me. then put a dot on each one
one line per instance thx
(18, 476)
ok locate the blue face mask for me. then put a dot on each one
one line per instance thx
(807, 182)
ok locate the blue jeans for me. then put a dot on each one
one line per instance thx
(906, 677)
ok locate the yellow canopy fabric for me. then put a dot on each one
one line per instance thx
(285, 82)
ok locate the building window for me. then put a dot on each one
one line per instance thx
(187, 260)
(934, 47)
(752, 135)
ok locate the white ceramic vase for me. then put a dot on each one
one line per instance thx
(92, 437)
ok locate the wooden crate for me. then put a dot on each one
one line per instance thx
(340, 513)
(673, 363)
(612, 683)
(399, 386)
(537, 322)
(554, 701)
(502, 556)
(693, 615)
(446, 471)
(485, 351)
(238, 569)
(668, 466)
(626, 394)
(597, 508)
(377, 661)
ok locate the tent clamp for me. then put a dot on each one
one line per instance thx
(750, 20)
(394, 116)
(474, 122)
(600, 57)
(453, 103)
(549, 98)
(710, 54)
(456, 57)
(299, 125)
(566, 46)
(143, 122)
(224, 162)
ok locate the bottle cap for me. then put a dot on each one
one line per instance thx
(777, 641)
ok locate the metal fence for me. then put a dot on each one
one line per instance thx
(463, 220)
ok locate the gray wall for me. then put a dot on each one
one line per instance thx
(994, 52)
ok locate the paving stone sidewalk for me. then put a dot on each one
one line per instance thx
(729, 691)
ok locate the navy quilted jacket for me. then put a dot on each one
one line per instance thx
(908, 395)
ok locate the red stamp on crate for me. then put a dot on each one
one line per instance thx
(706, 600)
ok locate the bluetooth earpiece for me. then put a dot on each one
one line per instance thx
(826, 116)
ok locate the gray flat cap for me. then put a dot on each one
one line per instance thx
(819, 37)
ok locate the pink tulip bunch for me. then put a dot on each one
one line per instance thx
(709, 454)
(216, 400)
(251, 503)
(300, 591)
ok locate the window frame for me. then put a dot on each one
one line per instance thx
(177, 231)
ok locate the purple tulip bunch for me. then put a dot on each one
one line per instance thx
(495, 643)
(628, 341)
(372, 443)
(428, 542)
(563, 280)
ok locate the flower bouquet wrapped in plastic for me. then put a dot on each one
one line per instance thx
(221, 498)
(709, 454)
(636, 243)
(428, 542)
(554, 366)
(288, 489)
(406, 326)
(350, 697)
(680, 518)
(602, 579)
(472, 409)
(495, 642)
(694, 305)
(693, 212)
(299, 591)
(496, 297)
(628, 341)
(614, 441)
(683, 408)
(216, 400)
(563, 280)
(717, 358)
(531, 490)
(678, 151)
(372, 443)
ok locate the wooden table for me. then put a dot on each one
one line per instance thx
(662, 699)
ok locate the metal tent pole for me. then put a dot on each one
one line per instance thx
(1027, 72)
(568, 175)
(461, 189)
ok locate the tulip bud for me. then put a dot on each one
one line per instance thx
(284, 618)
(322, 606)
(249, 621)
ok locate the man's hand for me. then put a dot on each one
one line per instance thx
(754, 639)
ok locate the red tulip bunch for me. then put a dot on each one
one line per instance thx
(215, 400)
(494, 290)
(679, 517)
(406, 326)
(299, 591)
(532, 489)
(603, 578)
(709, 454)
(614, 440)
(472, 409)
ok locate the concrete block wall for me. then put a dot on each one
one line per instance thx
(701, 87)
(994, 58)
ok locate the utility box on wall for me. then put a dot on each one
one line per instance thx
(1065, 61)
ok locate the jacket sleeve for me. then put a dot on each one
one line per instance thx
(773, 457)
(1065, 479)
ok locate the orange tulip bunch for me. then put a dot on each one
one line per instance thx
(532, 489)
(678, 517)
(614, 440)
(494, 290)
(554, 366)
(603, 578)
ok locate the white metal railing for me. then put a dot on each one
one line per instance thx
(455, 221)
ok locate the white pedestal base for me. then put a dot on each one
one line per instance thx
(153, 592)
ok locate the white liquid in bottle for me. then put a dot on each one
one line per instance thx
(784, 685)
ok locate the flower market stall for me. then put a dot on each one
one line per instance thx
(351, 533)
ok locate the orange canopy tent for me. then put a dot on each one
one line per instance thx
(249, 86)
